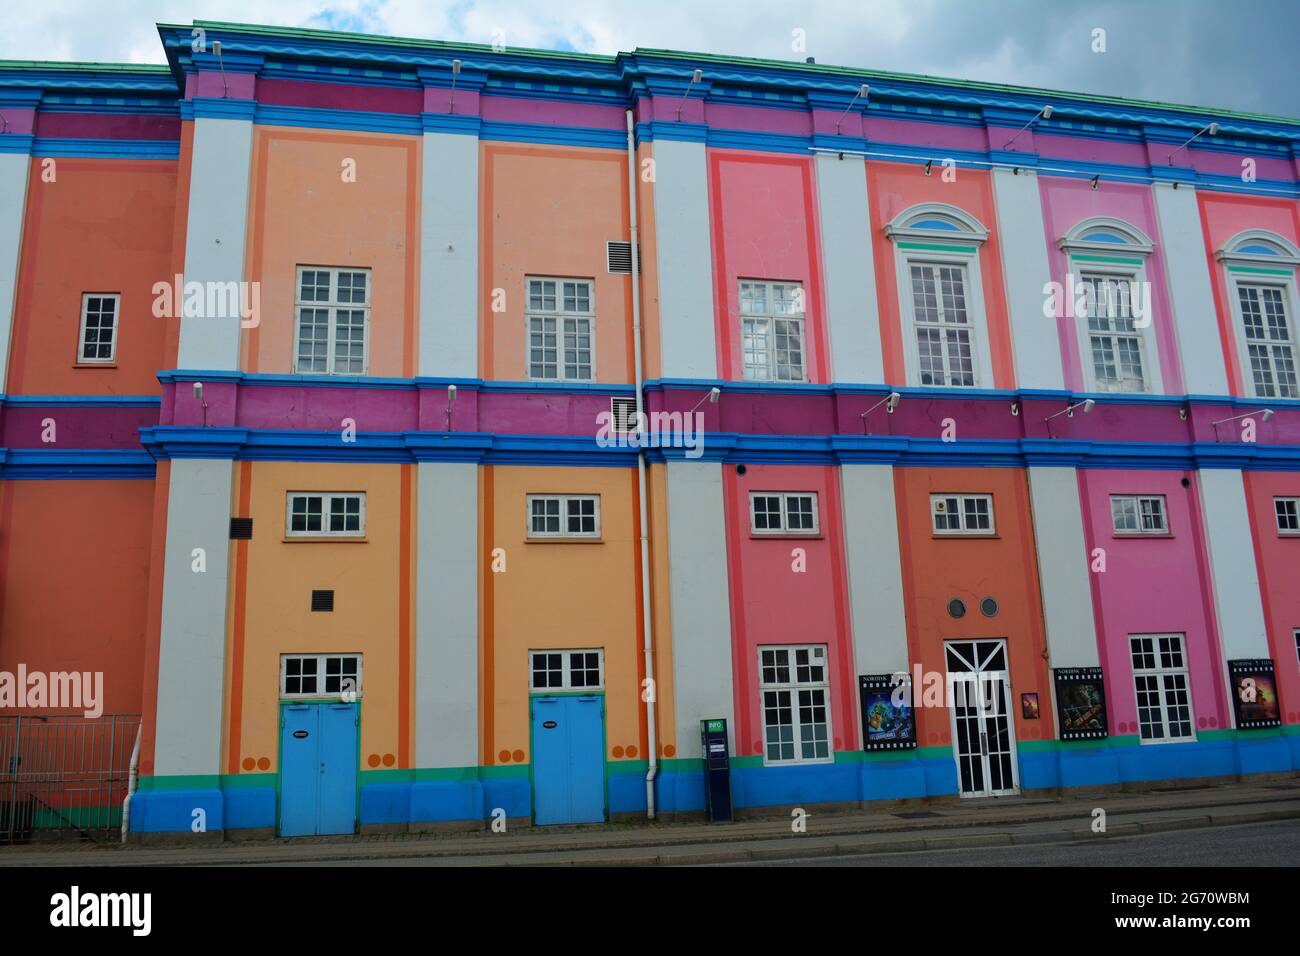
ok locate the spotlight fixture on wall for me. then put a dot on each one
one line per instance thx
(1015, 408)
(695, 78)
(890, 402)
(712, 398)
(1095, 181)
(455, 72)
(1212, 129)
(1045, 113)
(860, 94)
(216, 51)
(1068, 412)
(451, 400)
(1264, 415)
(929, 166)
(203, 402)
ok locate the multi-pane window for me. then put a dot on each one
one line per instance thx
(783, 512)
(1160, 678)
(560, 329)
(98, 339)
(320, 675)
(326, 514)
(796, 713)
(1115, 342)
(1139, 514)
(944, 334)
(333, 320)
(567, 670)
(771, 331)
(1270, 345)
(564, 516)
(1288, 515)
(962, 514)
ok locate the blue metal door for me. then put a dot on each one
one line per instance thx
(318, 769)
(568, 760)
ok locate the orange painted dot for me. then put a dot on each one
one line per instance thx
(389, 760)
(618, 751)
(373, 760)
(264, 763)
(249, 763)
(670, 751)
(504, 756)
(519, 756)
(631, 751)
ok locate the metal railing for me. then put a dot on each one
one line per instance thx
(64, 775)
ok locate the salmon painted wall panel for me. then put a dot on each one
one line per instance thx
(773, 603)
(764, 213)
(892, 188)
(74, 580)
(305, 212)
(1276, 558)
(1153, 585)
(100, 226)
(548, 212)
(937, 569)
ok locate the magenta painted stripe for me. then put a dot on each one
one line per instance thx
(107, 126)
(337, 96)
(74, 428)
(509, 109)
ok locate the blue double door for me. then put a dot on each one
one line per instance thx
(568, 759)
(318, 768)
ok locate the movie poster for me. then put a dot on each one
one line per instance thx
(1254, 693)
(1080, 702)
(888, 721)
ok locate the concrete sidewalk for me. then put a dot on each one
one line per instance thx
(994, 822)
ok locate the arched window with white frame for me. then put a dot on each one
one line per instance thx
(946, 341)
(1260, 271)
(1106, 282)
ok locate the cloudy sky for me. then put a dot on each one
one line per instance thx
(1238, 55)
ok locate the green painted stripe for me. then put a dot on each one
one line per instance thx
(681, 764)
(1113, 259)
(613, 767)
(935, 247)
(1262, 272)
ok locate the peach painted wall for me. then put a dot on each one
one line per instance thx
(559, 594)
(893, 187)
(304, 213)
(772, 603)
(270, 607)
(1222, 217)
(74, 579)
(763, 210)
(103, 225)
(1277, 557)
(1004, 567)
(1152, 585)
(1066, 203)
(548, 211)
(651, 338)
(661, 611)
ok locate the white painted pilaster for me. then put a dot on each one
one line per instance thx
(1063, 567)
(846, 244)
(14, 169)
(875, 569)
(1233, 573)
(449, 256)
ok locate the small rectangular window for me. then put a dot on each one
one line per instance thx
(795, 688)
(320, 675)
(564, 516)
(783, 513)
(772, 331)
(1288, 515)
(324, 514)
(1160, 680)
(97, 343)
(1138, 514)
(332, 330)
(580, 669)
(561, 322)
(962, 514)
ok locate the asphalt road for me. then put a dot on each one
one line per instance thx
(1264, 844)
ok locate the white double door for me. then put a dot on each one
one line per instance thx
(983, 731)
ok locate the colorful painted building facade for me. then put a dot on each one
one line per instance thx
(321, 353)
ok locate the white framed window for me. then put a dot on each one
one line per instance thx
(795, 689)
(320, 675)
(97, 340)
(936, 253)
(783, 513)
(1164, 697)
(332, 332)
(1296, 635)
(561, 322)
(325, 514)
(1260, 268)
(1116, 332)
(962, 514)
(564, 516)
(1287, 511)
(1139, 514)
(560, 670)
(772, 331)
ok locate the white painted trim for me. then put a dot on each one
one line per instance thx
(14, 172)
(1291, 301)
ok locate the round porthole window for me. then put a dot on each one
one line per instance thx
(741, 469)
(957, 607)
(989, 607)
